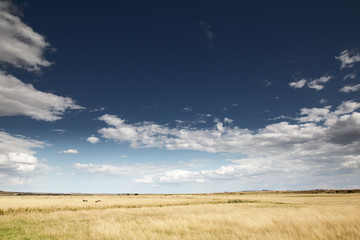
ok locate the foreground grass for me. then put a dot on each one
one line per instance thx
(226, 216)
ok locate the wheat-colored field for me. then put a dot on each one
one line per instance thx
(207, 216)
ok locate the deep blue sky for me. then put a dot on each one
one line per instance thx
(183, 66)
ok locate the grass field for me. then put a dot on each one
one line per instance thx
(264, 215)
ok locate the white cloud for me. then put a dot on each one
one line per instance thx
(18, 144)
(20, 45)
(347, 107)
(97, 109)
(18, 98)
(348, 58)
(173, 176)
(18, 162)
(298, 84)
(23, 48)
(70, 151)
(314, 114)
(349, 88)
(351, 76)
(17, 155)
(319, 139)
(317, 84)
(227, 172)
(228, 120)
(188, 109)
(222, 138)
(93, 139)
(279, 118)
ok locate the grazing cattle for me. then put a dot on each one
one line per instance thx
(98, 201)
(84, 200)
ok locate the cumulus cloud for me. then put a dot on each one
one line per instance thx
(18, 162)
(23, 48)
(317, 84)
(93, 139)
(224, 138)
(349, 88)
(18, 98)
(20, 45)
(298, 84)
(18, 144)
(348, 58)
(228, 120)
(17, 155)
(320, 138)
(70, 151)
(314, 114)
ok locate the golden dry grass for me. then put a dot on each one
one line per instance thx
(210, 216)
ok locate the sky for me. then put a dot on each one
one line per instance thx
(179, 96)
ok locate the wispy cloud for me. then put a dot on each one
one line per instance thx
(207, 29)
(267, 83)
(350, 76)
(348, 58)
(70, 151)
(117, 170)
(349, 88)
(97, 109)
(280, 118)
(60, 131)
(322, 101)
(100, 169)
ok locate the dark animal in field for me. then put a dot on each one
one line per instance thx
(98, 201)
(84, 200)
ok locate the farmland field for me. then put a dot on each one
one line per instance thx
(251, 215)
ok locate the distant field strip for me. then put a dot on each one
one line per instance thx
(101, 207)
